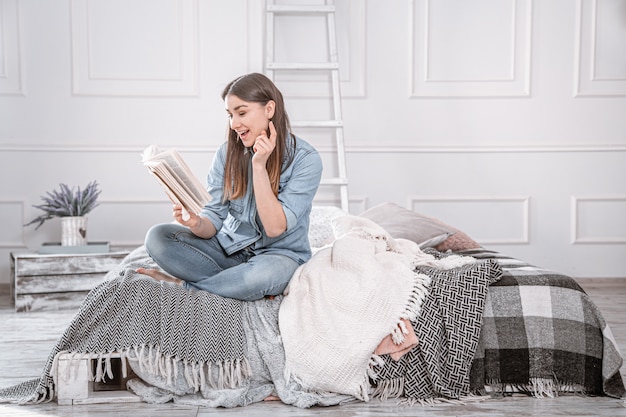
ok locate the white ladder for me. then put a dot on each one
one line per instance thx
(332, 65)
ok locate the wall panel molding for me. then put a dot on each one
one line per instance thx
(600, 48)
(484, 149)
(351, 35)
(116, 54)
(598, 219)
(98, 148)
(10, 54)
(492, 60)
(362, 149)
(490, 215)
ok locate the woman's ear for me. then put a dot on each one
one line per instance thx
(270, 107)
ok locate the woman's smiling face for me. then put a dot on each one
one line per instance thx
(248, 119)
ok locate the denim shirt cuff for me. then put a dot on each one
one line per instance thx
(291, 218)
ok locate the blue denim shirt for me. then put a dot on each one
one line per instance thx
(237, 221)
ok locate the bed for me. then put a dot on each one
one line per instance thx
(540, 334)
(470, 322)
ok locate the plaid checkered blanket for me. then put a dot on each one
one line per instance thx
(543, 335)
(539, 333)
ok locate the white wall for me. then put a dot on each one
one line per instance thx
(503, 118)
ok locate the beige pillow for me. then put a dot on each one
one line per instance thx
(406, 224)
(426, 231)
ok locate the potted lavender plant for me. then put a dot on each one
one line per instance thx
(72, 206)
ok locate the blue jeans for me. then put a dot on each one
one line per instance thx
(203, 264)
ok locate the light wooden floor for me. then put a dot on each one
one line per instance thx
(26, 340)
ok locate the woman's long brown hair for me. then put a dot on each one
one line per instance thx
(256, 88)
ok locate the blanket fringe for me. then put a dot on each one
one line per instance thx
(394, 388)
(150, 359)
(421, 285)
(429, 402)
(419, 292)
(389, 388)
(537, 387)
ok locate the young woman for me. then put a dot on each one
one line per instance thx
(249, 239)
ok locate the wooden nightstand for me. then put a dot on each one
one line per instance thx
(57, 281)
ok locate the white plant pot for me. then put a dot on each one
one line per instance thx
(74, 231)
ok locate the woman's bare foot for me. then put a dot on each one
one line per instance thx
(159, 276)
(271, 398)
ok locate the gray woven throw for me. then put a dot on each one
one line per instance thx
(130, 312)
(448, 329)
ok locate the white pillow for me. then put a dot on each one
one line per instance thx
(320, 229)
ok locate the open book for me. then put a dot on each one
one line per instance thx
(180, 184)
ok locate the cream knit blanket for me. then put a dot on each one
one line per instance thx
(341, 304)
